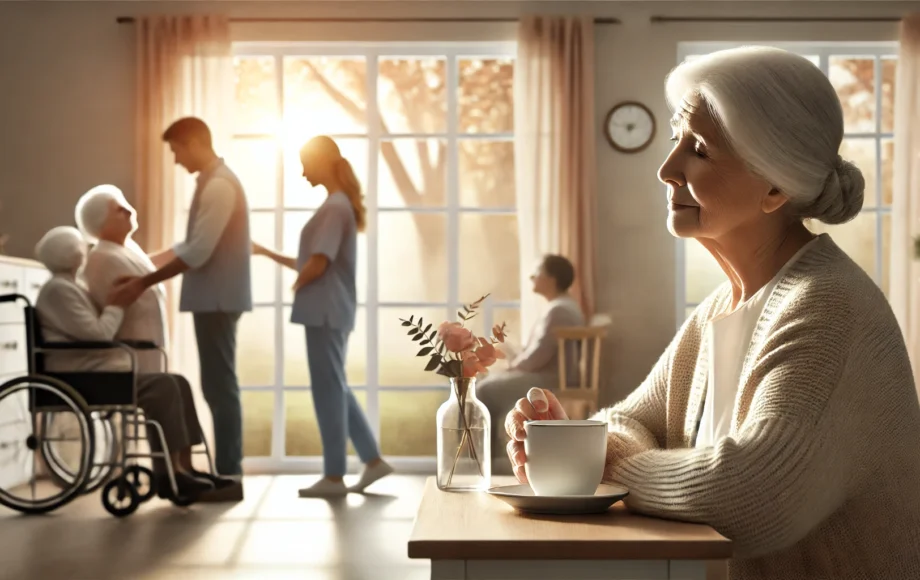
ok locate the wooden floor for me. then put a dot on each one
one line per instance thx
(271, 535)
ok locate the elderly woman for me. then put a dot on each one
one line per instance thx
(105, 217)
(66, 313)
(784, 412)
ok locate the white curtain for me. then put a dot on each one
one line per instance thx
(554, 151)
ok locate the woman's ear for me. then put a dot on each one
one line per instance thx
(774, 200)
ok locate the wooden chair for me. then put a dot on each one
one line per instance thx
(580, 399)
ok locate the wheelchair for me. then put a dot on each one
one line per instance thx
(70, 433)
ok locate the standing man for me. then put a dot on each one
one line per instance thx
(216, 287)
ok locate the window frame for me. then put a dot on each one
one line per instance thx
(278, 461)
(823, 50)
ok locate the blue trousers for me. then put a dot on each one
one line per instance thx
(337, 411)
(215, 333)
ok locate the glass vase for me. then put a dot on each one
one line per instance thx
(464, 440)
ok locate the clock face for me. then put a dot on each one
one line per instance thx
(630, 127)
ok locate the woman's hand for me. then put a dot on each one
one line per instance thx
(540, 404)
(259, 249)
(125, 291)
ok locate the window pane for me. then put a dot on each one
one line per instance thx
(886, 252)
(296, 370)
(262, 230)
(412, 257)
(258, 417)
(399, 365)
(412, 173)
(411, 93)
(301, 431)
(324, 95)
(255, 162)
(489, 257)
(297, 191)
(887, 171)
(857, 238)
(485, 95)
(255, 360)
(256, 98)
(407, 422)
(862, 153)
(889, 74)
(486, 171)
(702, 271)
(854, 80)
(294, 222)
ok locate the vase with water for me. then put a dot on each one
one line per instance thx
(464, 439)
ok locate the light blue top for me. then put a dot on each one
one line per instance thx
(331, 299)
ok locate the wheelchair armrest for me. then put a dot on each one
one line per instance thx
(140, 344)
(84, 345)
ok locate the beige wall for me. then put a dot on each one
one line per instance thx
(67, 97)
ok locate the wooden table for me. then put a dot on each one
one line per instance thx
(474, 536)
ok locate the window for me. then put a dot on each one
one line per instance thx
(428, 130)
(864, 76)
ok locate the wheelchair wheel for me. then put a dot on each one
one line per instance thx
(61, 436)
(119, 497)
(142, 479)
(21, 401)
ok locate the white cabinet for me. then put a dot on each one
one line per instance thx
(24, 277)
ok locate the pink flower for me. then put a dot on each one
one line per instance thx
(445, 327)
(456, 338)
(472, 366)
(488, 354)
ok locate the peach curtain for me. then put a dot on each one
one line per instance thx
(905, 208)
(184, 67)
(554, 148)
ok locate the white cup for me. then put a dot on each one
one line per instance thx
(565, 457)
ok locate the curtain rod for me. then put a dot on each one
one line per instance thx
(130, 20)
(816, 19)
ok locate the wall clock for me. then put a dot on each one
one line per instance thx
(629, 127)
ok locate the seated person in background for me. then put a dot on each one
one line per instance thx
(536, 365)
(67, 314)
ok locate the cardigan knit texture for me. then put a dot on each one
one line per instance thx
(819, 477)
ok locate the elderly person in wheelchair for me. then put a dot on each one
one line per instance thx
(66, 313)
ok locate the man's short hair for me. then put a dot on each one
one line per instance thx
(560, 269)
(186, 129)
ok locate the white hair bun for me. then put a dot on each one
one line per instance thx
(842, 197)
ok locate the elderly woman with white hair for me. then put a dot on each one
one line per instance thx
(784, 413)
(106, 218)
(66, 313)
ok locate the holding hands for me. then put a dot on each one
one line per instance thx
(539, 405)
(125, 291)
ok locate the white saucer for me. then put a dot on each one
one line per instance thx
(522, 498)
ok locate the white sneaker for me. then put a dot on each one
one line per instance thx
(370, 475)
(324, 488)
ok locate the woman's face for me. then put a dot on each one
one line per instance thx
(711, 192)
(120, 220)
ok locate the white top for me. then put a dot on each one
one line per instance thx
(67, 314)
(146, 318)
(729, 336)
(218, 198)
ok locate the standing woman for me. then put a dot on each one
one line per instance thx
(325, 300)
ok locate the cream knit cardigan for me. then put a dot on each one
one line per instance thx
(819, 477)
